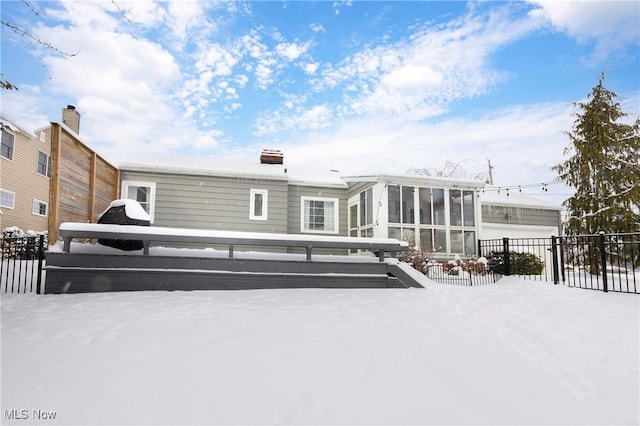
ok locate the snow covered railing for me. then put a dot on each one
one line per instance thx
(149, 234)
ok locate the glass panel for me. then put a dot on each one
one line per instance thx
(7, 145)
(456, 242)
(469, 213)
(329, 216)
(409, 235)
(394, 203)
(42, 163)
(440, 240)
(257, 205)
(469, 242)
(367, 233)
(353, 216)
(407, 204)
(438, 206)
(394, 233)
(455, 208)
(424, 200)
(369, 218)
(426, 240)
(363, 208)
(6, 199)
(141, 195)
(353, 233)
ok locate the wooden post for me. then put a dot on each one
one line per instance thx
(54, 184)
(92, 186)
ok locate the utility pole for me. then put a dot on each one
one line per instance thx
(490, 182)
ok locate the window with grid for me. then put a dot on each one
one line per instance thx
(319, 215)
(44, 164)
(6, 149)
(39, 208)
(7, 199)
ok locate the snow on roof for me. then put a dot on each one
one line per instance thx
(15, 127)
(234, 167)
(416, 180)
(495, 196)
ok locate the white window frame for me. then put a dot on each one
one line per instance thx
(47, 165)
(42, 136)
(336, 204)
(252, 204)
(35, 211)
(13, 199)
(13, 145)
(124, 191)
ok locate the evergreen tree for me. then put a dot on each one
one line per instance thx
(603, 167)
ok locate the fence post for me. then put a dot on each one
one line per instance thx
(479, 247)
(40, 257)
(507, 260)
(603, 261)
(554, 259)
(562, 247)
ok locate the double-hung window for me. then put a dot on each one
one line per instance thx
(143, 192)
(7, 199)
(39, 208)
(44, 164)
(258, 204)
(319, 215)
(6, 149)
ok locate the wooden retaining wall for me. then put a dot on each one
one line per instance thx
(82, 182)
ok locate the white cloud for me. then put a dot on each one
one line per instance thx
(291, 51)
(613, 24)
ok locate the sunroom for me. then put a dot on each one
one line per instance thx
(439, 216)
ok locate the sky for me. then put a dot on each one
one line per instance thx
(362, 87)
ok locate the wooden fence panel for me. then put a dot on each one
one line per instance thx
(82, 183)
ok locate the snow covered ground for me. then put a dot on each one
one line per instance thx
(514, 352)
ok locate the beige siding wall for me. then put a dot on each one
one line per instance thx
(20, 176)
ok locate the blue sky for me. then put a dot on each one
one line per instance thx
(358, 86)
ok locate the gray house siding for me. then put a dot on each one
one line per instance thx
(514, 215)
(213, 202)
(295, 194)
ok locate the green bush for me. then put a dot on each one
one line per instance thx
(519, 263)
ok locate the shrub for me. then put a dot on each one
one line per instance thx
(519, 263)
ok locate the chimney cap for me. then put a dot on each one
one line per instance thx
(71, 107)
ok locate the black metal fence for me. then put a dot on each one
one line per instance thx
(21, 264)
(606, 262)
(461, 272)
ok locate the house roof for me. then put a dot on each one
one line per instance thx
(296, 175)
(428, 181)
(14, 126)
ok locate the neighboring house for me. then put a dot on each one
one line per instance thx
(515, 215)
(25, 171)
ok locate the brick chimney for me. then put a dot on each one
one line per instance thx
(71, 118)
(271, 156)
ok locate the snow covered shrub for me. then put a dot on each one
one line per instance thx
(425, 262)
(17, 244)
(519, 263)
(415, 257)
